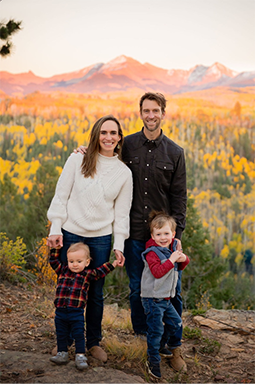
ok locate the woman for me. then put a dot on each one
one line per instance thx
(93, 199)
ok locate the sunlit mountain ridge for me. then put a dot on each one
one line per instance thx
(125, 73)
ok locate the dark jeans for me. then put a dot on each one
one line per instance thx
(100, 249)
(162, 321)
(70, 320)
(134, 267)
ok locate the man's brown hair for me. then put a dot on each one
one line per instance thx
(158, 97)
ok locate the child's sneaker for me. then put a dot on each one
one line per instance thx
(154, 369)
(60, 358)
(165, 352)
(81, 361)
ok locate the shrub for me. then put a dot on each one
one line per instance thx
(11, 258)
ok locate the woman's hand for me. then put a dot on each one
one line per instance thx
(55, 241)
(120, 257)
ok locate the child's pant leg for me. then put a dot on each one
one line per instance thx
(62, 330)
(173, 324)
(154, 310)
(76, 318)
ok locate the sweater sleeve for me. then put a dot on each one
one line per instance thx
(57, 212)
(183, 265)
(122, 206)
(157, 269)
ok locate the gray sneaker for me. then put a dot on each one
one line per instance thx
(60, 358)
(81, 361)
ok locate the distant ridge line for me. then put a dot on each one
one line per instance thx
(125, 73)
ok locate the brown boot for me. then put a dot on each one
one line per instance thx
(176, 361)
(98, 353)
(54, 351)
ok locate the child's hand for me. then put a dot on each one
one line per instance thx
(115, 263)
(177, 257)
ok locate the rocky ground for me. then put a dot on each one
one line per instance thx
(218, 348)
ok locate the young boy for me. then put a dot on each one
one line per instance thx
(71, 298)
(158, 284)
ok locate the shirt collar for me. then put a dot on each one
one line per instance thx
(158, 140)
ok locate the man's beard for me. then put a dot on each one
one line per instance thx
(152, 129)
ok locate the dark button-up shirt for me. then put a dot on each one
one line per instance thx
(159, 181)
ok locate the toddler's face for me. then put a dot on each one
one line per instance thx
(77, 261)
(163, 236)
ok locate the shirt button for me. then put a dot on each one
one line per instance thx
(148, 165)
(145, 193)
(130, 161)
(145, 221)
(164, 167)
(149, 150)
(145, 207)
(146, 178)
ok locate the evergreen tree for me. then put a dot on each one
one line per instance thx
(204, 271)
(35, 221)
(6, 32)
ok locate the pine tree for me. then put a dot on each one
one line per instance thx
(6, 31)
(204, 271)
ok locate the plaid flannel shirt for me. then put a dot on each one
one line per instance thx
(72, 288)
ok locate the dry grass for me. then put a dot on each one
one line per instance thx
(134, 349)
(116, 318)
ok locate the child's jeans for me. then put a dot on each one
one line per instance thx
(70, 321)
(163, 321)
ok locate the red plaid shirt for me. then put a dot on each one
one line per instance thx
(72, 288)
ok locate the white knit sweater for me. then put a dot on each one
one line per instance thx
(95, 206)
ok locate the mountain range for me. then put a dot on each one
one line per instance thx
(124, 73)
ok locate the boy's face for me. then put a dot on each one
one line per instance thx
(163, 236)
(77, 261)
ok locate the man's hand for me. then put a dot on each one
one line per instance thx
(178, 245)
(55, 241)
(82, 149)
(119, 257)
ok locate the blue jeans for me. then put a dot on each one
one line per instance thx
(175, 340)
(134, 267)
(163, 321)
(70, 320)
(100, 249)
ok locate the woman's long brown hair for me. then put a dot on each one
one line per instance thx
(88, 166)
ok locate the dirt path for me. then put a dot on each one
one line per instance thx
(28, 336)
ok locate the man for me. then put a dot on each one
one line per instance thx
(159, 182)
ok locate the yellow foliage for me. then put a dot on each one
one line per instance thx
(224, 252)
(45, 273)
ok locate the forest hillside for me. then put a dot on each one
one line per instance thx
(215, 127)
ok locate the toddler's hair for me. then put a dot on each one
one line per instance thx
(79, 246)
(157, 219)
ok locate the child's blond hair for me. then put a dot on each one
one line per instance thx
(80, 246)
(157, 219)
